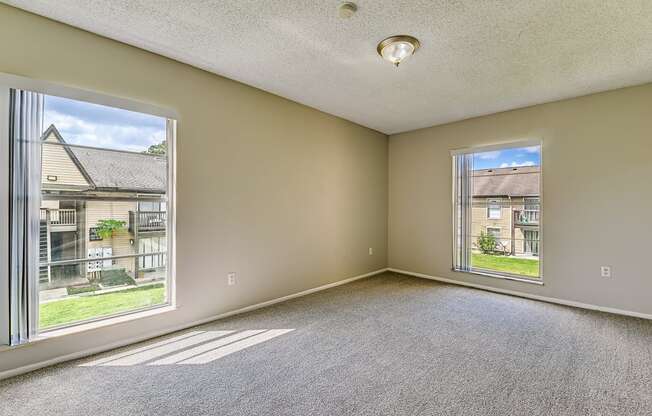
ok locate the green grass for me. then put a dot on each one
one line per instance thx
(514, 265)
(87, 307)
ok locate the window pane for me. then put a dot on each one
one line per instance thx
(495, 209)
(495, 232)
(505, 211)
(106, 290)
(101, 209)
(94, 125)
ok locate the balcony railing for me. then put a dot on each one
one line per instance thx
(63, 217)
(526, 217)
(147, 220)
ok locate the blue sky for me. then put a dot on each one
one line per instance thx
(520, 156)
(96, 125)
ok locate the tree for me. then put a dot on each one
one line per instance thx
(486, 243)
(158, 149)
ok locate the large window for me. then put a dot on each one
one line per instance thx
(93, 192)
(497, 210)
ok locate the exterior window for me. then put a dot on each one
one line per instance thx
(530, 214)
(100, 240)
(494, 209)
(494, 232)
(531, 241)
(497, 207)
(154, 245)
(151, 206)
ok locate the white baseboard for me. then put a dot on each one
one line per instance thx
(122, 343)
(526, 295)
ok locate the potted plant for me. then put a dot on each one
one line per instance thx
(108, 228)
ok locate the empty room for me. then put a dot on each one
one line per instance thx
(325, 207)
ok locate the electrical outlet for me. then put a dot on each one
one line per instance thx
(371, 251)
(605, 271)
(230, 279)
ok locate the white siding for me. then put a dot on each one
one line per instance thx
(50, 204)
(104, 210)
(57, 162)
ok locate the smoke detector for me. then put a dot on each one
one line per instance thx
(347, 10)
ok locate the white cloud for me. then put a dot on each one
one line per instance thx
(532, 149)
(489, 155)
(117, 136)
(517, 164)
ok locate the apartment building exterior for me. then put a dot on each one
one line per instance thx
(83, 186)
(506, 204)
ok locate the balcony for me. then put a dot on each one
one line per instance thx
(526, 217)
(147, 221)
(60, 219)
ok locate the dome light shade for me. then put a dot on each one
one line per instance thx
(396, 49)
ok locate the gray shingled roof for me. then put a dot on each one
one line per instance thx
(522, 181)
(115, 170)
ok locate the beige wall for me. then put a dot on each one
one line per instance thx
(286, 196)
(597, 194)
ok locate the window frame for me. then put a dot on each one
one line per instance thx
(538, 242)
(8, 81)
(142, 260)
(4, 214)
(489, 227)
(487, 148)
(493, 203)
(527, 201)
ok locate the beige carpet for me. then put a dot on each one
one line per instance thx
(386, 345)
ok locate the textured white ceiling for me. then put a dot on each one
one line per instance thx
(477, 57)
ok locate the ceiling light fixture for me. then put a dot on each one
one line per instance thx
(397, 49)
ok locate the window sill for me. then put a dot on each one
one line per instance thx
(538, 282)
(100, 323)
(90, 326)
